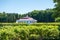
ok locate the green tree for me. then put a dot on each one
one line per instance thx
(42, 15)
(57, 8)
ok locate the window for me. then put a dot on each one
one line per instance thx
(30, 21)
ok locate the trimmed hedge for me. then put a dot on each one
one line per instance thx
(42, 32)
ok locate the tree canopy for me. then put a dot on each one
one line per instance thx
(57, 8)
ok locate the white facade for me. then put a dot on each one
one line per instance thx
(26, 20)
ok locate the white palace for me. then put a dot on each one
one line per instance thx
(26, 20)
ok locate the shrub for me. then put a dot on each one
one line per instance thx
(29, 32)
(57, 19)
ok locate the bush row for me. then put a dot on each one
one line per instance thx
(34, 24)
(42, 32)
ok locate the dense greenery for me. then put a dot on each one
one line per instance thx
(39, 15)
(30, 32)
(42, 15)
(57, 19)
(9, 17)
(57, 8)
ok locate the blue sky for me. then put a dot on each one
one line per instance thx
(24, 6)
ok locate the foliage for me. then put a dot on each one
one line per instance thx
(57, 19)
(9, 17)
(57, 8)
(42, 15)
(39, 15)
(29, 32)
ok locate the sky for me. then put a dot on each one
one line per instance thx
(24, 6)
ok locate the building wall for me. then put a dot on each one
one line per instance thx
(27, 21)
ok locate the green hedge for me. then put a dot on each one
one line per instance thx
(35, 24)
(42, 32)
